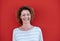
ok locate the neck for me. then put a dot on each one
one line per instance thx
(26, 25)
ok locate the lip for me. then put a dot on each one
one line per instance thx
(26, 18)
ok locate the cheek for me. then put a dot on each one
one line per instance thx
(29, 17)
(21, 17)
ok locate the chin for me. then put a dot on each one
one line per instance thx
(26, 22)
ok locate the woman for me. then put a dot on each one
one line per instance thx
(26, 32)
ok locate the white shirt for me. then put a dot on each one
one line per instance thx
(34, 34)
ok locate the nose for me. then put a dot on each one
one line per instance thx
(26, 16)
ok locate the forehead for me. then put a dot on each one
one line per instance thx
(25, 11)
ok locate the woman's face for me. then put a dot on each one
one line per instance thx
(25, 16)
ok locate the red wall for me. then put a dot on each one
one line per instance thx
(46, 16)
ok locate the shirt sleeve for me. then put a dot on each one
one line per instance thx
(40, 35)
(13, 37)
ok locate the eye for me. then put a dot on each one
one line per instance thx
(23, 15)
(28, 14)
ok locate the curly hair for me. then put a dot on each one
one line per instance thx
(20, 10)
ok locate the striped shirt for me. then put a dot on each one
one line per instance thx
(33, 34)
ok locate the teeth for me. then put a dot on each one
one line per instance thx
(26, 19)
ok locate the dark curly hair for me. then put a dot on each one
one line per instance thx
(24, 8)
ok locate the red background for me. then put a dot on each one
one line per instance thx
(46, 16)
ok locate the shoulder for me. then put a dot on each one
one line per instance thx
(37, 28)
(15, 30)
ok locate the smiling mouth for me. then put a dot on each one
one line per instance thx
(26, 19)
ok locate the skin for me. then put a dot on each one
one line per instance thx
(26, 18)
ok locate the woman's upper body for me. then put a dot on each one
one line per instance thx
(34, 34)
(26, 32)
